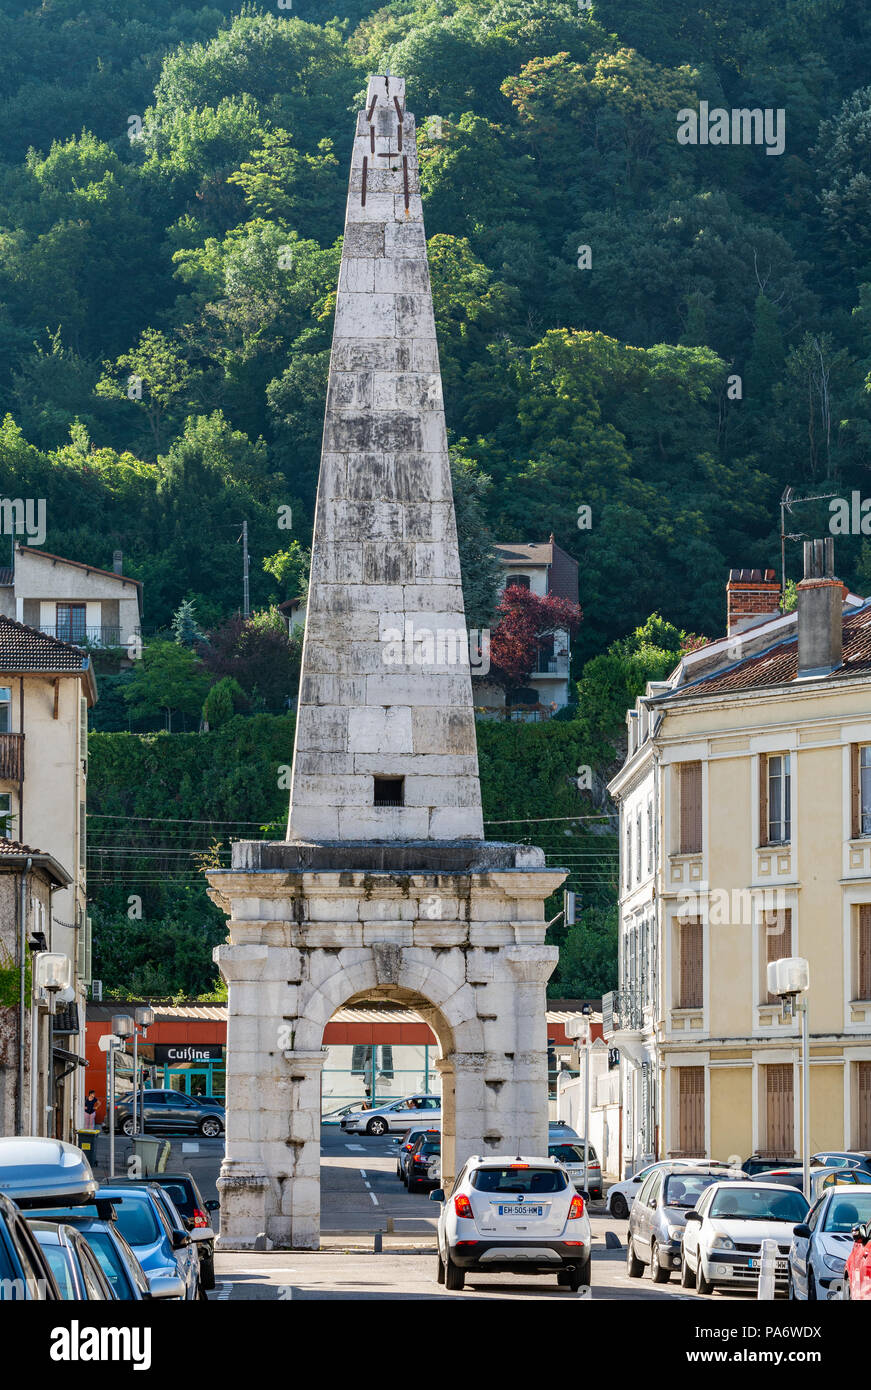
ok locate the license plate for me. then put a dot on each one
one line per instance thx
(518, 1209)
(780, 1266)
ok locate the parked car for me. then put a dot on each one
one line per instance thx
(188, 1204)
(171, 1112)
(658, 1218)
(820, 1178)
(822, 1243)
(419, 1173)
(406, 1146)
(76, 1270)
(45, 1172)
(394, 1117)
(158, 1238)
(335, 1117)
(758, 1163)
(571, 1155)
(115, 1257)
(25, 1273)
(621, 1195)
(845, 1158)
(857, 1269)
(559, 1133)
(520, 1215)
(722, 1243)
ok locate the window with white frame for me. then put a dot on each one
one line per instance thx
(775, 799)
(862, 952)
(860, 789)
(628, 854)
(6, 815)
(638, 860)
(650, 837)
(5, 709)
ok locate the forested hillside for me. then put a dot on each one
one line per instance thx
(171, 198)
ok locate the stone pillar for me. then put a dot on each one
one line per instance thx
(531, 967)
(298, 1226)
(445, 1068)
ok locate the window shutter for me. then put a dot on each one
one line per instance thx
(778, 938)
(691, 979)
(863, 1118)
(690, 808)
(763, 798)
(691, 1111)
(83, 819)
(779, 1108)
(863, 952)
(83, 729)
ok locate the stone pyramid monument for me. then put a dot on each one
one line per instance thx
(385, 742)
(385, 889)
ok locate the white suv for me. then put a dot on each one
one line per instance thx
(516, 1215)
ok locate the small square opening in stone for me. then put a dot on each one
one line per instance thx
(389, 791)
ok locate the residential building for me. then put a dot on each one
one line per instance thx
(546, 570)
(46, 689)
(745, 835)
(71, 601)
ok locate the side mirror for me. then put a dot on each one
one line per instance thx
(180, 1239)
(213, 1205)
(692, 1216)
(637, 1178)
(803, 1231)
(861, 1233)
(438, 1195)
(165, 1286)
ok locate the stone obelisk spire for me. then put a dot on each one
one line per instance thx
(385, 743)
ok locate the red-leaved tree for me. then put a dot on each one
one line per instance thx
(526, 624)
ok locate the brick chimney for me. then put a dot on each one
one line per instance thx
(820, 611)
(751, 596)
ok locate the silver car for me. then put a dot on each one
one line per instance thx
(406, 1145)
(396, 1117)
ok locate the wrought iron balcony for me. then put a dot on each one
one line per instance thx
(622, 1011)
(11, 757)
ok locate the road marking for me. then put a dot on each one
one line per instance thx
(374, 1198)
(223, 1292)
(360, 1148)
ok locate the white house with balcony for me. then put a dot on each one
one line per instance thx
(69, 600)
(545, 569)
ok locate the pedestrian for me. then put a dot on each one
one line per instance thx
(91, 1104)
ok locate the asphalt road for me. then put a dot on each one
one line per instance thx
(361, 1195)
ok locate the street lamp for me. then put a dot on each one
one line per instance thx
(122, 1027)
(143, 1017)
(788, 978)
(579, 1029)
(52, 971)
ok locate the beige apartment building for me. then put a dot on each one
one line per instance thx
(46, 689)
(745, 817)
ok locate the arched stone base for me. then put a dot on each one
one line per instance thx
(465, 948)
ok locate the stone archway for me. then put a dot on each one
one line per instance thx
(302, 944)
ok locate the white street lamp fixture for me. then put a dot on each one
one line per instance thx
(789, 978)
(52, 971)
(122, 1025)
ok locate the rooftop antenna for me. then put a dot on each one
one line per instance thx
(787, 502)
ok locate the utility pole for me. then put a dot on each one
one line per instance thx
(246, 603)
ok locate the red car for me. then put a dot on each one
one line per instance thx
(857, 1270)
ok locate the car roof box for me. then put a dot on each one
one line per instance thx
(45, 1172)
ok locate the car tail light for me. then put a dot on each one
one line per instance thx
(463, 1207)
(518, 1165)
(200, 1218)
(576, 1210)
(408, 1148)
(418, 1159)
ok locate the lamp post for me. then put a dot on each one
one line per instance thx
(143, 1017)
(789, 977)
(52, 972)
(580, 1030)
(122, 1027)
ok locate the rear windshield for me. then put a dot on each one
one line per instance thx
(518, 1180)
(759, 1204)
(136, 1221)
(430, 1148)
(571, 1153)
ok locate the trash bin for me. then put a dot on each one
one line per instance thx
(87, 1142)
(147, 1149)
(163, 1157)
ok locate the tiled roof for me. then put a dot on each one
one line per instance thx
(80, 565)
(13, 847)
(532, 554)
(778, 664)
(563, 568)
(217, 1013)
(24, 649)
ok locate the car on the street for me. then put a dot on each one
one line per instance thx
(724, 1234)
(25, 1273)
(621, 1195)
(76, 1269)
(189, 1204)
(571, 1155)
(405, 1146)
(518, 1215)
(560, 1133)
(172, 1112)
(759, 1163)
(856, 1284)
(658, 1219)
(335, 1117)
(115, 1257)
(823, 1241)
(158, 1239)
(45, 1172)
(843, 1158)
(423, 1161)
(395, 1117)
(820, 1178)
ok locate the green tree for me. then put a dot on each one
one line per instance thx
(168, 678)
